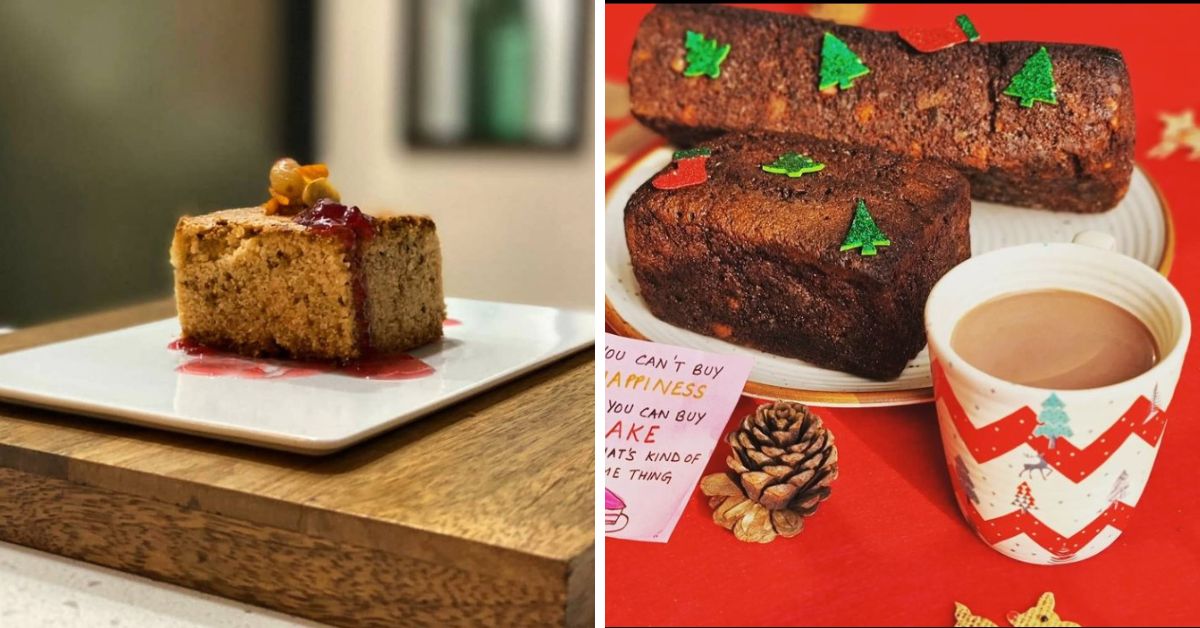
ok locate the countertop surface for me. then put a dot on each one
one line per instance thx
(479, 513)
(40, 589)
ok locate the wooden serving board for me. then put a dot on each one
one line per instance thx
(480, 513)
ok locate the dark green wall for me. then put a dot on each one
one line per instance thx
(116, 117)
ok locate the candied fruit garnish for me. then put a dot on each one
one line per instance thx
(294, 187)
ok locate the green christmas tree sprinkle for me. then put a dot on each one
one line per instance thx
(863, 232)
(793, 165)
(839, 65)
(967, 27)
(704, 56)
(699, 151)
(1035, 81)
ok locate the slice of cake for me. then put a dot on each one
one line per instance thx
(329, 282)
(800, 247)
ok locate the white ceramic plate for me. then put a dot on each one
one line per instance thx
(1140, 224)
(130, 375)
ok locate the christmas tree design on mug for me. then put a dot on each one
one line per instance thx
(1052, 420)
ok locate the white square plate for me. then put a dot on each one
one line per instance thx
(130, 375)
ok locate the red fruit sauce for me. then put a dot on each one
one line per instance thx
(212, 365)
(387, 367)
(191, 347)
(451, 322)
(211, 362)
(346, 222)
(353, 228)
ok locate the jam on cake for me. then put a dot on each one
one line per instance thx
(305, 276)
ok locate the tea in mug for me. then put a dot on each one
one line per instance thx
(1056, 339)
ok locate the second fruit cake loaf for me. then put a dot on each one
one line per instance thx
(755, 258)
(1076, 155)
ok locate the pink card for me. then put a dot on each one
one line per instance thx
(665, 408)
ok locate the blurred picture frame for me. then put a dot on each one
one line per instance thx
(495, 73)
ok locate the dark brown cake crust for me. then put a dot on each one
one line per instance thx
(1076, 156)
(753, 258)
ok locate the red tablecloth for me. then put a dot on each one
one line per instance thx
(890, 546)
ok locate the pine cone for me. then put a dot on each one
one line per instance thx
(781, 466)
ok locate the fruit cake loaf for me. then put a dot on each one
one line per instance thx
(328, 283)
(1076, 155)
(754, 257)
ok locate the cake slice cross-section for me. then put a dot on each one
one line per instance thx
(330, 283)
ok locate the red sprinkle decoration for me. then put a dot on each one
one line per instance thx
(690, 169)
(942, 37)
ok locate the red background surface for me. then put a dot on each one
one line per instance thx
(890, 546)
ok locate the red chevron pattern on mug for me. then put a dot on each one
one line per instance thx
(997, 438)
(1022, 521)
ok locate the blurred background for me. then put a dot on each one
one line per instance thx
(118, 116)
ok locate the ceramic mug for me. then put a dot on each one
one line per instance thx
(1034, 497)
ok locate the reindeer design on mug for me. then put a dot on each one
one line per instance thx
(1041, 465)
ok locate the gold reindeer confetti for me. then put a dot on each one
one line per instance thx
(1041, 614)
(964, 617)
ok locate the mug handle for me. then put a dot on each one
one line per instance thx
(1095, 239)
